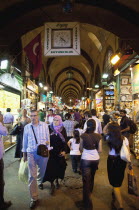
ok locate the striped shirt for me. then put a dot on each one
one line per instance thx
(42, 135)
(69, 126)
(3, 132)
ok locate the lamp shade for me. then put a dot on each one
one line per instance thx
(115, 58)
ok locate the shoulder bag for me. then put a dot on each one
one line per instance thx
(42, 149)
(124, 153)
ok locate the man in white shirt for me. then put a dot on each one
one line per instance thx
(50, 117)
(98, 123)
(30, 153)
(4, 132)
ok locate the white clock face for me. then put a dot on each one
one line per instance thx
(61, 39)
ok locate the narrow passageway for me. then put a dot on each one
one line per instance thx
(70, 191)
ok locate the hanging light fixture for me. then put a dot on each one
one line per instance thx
(115, 58)
(69, 74)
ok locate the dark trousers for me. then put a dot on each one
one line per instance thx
(1, 182)
(88, 168)
(75, 159)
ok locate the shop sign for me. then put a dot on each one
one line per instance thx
(135, 79)
(32, 86)
(9, 80)
(43, 98)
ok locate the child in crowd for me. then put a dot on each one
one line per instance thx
(75, 154)
(78, 127)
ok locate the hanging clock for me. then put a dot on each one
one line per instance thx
(62, 39)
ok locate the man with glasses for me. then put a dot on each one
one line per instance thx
(30, 153)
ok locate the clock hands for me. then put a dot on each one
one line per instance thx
(62, 39)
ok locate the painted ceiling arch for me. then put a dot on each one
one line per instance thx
(73, 69)
(68, 82)
(78, 82)
(72, 85)
(72, 90)
(69, 95)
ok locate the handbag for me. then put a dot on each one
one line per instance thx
(132, 182)
(16, 129)
(42, 150)
(23, 171)
(124, 153)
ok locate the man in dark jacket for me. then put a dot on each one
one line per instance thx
(106, 118)
(124, 124)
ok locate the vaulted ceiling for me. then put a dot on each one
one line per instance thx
(99, 19)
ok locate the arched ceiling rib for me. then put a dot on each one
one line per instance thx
(69, 95)
(70, 90)
(67, 69)
(70, 85)
(73, 80)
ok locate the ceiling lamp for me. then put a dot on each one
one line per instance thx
(4, 64)
(116, 72)
(96, 86)
(41, 85)
(45, 88)
(115, 58)
(105, 76)
(69, 74)
(89, 88)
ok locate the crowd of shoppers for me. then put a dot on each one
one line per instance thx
(77, 133)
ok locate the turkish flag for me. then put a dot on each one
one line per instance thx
(34, 53)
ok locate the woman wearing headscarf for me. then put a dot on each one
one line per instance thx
(56, 164)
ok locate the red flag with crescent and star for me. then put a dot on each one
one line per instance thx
(34, 53)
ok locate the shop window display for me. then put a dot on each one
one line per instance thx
(9, 100)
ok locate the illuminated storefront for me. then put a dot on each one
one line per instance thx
(31, 97)
(10, 97)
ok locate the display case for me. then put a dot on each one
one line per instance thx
(109, 98)
(136, 143)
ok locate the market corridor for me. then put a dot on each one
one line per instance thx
(71, 188)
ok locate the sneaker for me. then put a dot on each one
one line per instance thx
(6, 205)
(40, 186)
(33, 204)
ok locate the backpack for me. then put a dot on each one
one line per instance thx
(133, 127)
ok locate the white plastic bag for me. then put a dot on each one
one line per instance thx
(124, 153)
(23, 171)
